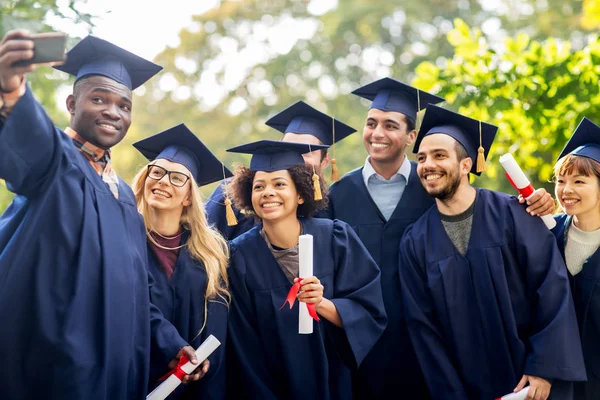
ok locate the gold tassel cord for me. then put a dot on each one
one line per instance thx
(317, 186)
(480, 154)
(316, 181)
(335, 173)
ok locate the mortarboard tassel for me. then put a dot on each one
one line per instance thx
(317, 186)
(335, 174)
(480, 154)
(229, 214)
(316, 182)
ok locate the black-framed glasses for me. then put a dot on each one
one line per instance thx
(176, 178)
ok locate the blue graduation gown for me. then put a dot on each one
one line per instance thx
(74, 299)
(215, 213)
(585, 287)
(269, 359)
(391, 367)
(481, 321)
(181, 301)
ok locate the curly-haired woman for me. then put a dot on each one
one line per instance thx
(269, 359)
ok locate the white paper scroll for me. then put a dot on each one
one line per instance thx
(516, 396)
(305, 250)
(520, 181)
(166, 388)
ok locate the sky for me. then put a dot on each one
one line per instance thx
(158, 26)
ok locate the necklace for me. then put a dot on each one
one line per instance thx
(149, 234)
(166, 237)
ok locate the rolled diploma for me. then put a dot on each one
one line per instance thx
(523, 185)
(516, 396)
(305, 258)
(171, 383)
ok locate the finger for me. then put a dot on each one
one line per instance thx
(521, 384)
(191, 354)
(10, 35)
(521, 199)
(206, 366)
(311, 287)
(309, 280)
(531, 393)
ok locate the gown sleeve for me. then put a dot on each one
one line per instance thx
(212, 385)
(30, 147)
(438, 367)
(165, 340)
(555, 326)
(248, 373)
(357, 296)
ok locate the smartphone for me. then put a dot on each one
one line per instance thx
(49, 47)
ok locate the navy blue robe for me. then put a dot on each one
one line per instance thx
(215, 213)
(74, 295)
(585, 287)
(181, 301)
(391, 366)
(481, 321)
(269, 359)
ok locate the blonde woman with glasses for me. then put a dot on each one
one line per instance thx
(187, 258)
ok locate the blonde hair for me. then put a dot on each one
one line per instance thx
(205, 243)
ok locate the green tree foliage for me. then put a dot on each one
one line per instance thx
(231, 71)
(44, 81)
(536, 92)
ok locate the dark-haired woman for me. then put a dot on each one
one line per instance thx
(577, 176)
(269, 359)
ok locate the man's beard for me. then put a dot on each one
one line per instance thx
(449, 190)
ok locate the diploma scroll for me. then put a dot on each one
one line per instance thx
(305, 250)
(516, 396)
(519, 180)
(166, 388)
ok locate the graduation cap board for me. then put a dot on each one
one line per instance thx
(475, 136)
(95, 56)
(301, 118)
(178, 144)
(584, 142)
(274, 155)
(388, 94)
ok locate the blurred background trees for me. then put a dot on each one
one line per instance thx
(529, 66)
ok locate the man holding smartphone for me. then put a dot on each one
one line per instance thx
(74, 303)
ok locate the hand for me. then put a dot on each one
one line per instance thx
(311, 290)
(199, 372)
(11, 51)
(539, 388)
(540, 203)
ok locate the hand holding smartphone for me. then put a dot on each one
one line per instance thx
(48, 47)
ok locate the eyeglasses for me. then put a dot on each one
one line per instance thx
(176, 178)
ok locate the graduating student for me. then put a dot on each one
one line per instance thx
(299, 123)
(270, 360)
(379, 201)
(485, 291)
(577, 176)
(74, 302)
(186, 257)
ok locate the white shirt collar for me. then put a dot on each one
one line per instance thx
(369, 171)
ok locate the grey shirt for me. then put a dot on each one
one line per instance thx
(458, 227)
(286, 258)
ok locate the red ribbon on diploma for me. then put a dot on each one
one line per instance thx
(177, 371)
(525, 192)
(291, 299)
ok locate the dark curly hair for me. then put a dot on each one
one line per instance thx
(241, 190)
